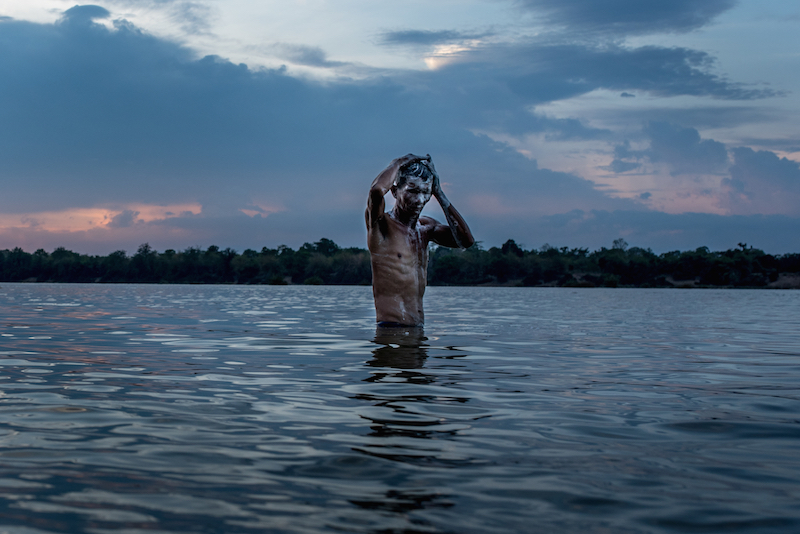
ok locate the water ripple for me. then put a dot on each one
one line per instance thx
(131, 409)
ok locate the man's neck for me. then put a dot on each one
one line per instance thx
(407, 218)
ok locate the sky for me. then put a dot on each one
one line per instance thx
(244, 124)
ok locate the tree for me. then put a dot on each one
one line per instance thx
(511, 247)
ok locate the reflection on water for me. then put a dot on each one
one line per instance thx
(134, 409)
(399, 347)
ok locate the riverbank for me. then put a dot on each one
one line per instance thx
(326, 263)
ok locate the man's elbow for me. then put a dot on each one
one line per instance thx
(464, 239)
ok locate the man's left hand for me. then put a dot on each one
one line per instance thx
(437, 186)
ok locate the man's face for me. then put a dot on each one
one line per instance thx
(413, 194)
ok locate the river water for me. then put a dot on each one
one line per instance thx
(137, 409)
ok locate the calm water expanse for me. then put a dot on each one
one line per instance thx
(139, 409)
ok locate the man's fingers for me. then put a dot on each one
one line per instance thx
(410, 157)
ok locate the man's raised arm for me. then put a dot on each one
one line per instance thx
(456, 234)
(383, 184)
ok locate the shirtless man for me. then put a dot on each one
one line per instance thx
(398, 240)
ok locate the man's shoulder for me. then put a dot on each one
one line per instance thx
(427, 224)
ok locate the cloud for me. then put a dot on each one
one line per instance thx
(702, 116)
(549, 72)
(98, 116)
(619, 166)
(493, 87)
(761, 182)
(786, 144)
(124, 117)
(84, 15)
(192, 16)
(680, 149)
(310, 56)
(683, 150)
(629, 17)
(124, 219)
(754, 182)
(424, 37)
(101, 117)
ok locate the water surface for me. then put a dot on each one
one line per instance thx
(149, 409)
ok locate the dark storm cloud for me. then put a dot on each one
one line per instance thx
(624, 17)
(424, 37)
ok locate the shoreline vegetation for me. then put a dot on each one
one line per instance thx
(325, 263)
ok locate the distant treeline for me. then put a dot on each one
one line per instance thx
(324, 262)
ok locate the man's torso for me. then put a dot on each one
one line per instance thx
(399, 256)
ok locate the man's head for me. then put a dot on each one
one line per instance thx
(413, 187)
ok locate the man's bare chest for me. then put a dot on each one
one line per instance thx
(402, 243)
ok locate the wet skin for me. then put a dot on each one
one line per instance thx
(398, 241)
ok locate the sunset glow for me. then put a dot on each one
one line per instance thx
(82, 219)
